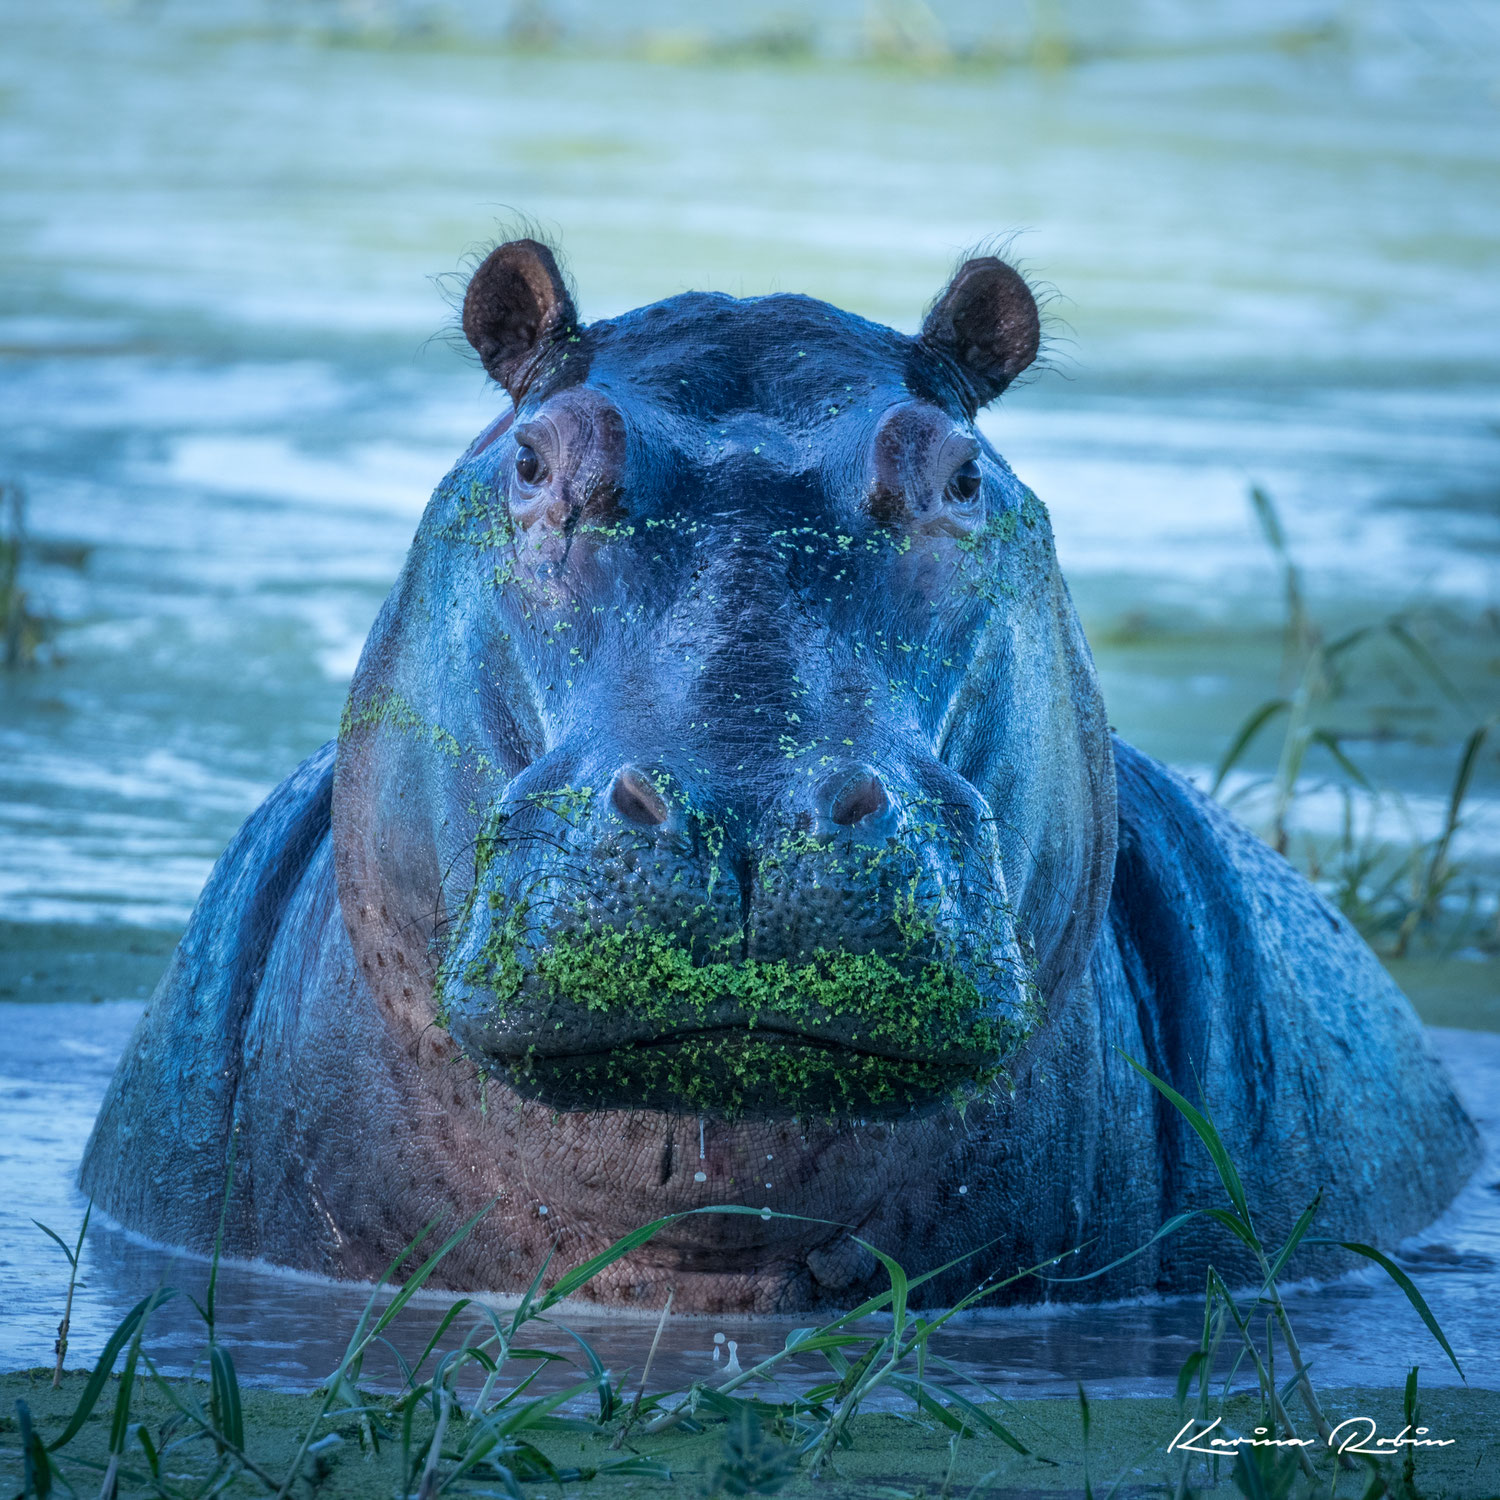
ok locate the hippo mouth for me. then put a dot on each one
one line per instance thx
(624, 1019)
(737, 1073)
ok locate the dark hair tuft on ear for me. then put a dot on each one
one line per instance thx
(986, 324)
(516, 305)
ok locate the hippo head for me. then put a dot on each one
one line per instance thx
(729, 745)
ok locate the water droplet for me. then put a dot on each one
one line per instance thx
(765, 1213)
(768, 1184)
(733, 1367)
(700, 1176)
(963, 1189)
(718, 1338)
(542, 1209)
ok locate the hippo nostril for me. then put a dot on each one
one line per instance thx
(636, 800)
(860, 797)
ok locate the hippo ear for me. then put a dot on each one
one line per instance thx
(986, 322)
(517, 302)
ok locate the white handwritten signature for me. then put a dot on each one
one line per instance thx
(1352, 1435)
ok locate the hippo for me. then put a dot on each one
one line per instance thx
(725, 812)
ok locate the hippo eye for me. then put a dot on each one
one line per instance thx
(528, 465)
(965, 482)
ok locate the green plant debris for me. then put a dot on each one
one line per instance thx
(384, 708)
(916, 1035)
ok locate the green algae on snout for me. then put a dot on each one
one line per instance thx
(747, 1035)
(384, 708)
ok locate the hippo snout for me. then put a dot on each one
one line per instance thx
(636, 946)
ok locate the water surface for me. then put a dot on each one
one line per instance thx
(228, 382)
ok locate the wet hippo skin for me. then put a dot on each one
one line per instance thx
(725, 812)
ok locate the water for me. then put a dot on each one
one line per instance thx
(291, 1330)
(219, 379)
(228, 383)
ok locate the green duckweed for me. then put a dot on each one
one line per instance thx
(739, 1035)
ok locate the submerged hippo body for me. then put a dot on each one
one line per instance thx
(725, 812)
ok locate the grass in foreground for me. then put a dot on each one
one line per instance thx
(889, 1455)
(475, 1417)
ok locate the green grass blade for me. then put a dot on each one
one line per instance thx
(978, 1419)
(1299, 1229)
(533, 1413)
(444, 1325)
(1206, 1131)
(1460, 790)
(36, 1462)
(607, 1399)
(1247, 1478)
(1409, 1287)
(518, 1390)
(814, 1342)
(119, 1427)
(1234, 1224)
(1419, 653)
(899, 1287)
(1293, 1381)
(927, 1402)
(414, 1283)
(1252, 726)
(1185, 1376)
(213, 1271)
(980, 1292)
(142, 1434)
(1330, 742)
(122, 1335)
(407, 1373)
(57, 1239)
(357, 1339)
(1170, 1227)
(523, 1308)
(224, 1395)
(637, 1466)
(1270, 522)
(83, 1229)
(1348, 641)
(1083, 1420)
(579, 1276)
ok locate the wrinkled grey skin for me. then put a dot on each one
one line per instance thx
(750, 656)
